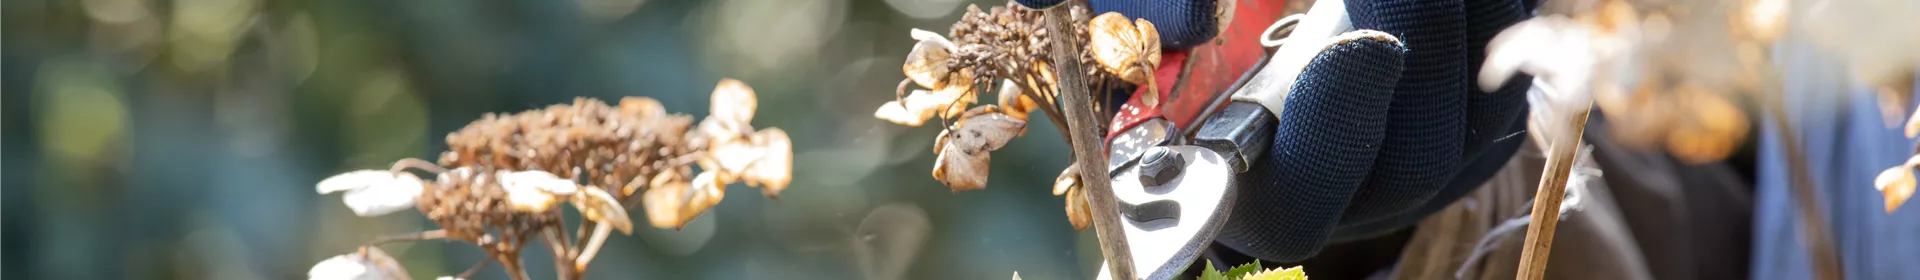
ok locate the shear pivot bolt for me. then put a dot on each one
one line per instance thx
(1159, 166)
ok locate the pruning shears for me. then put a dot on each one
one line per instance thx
(1174, 166)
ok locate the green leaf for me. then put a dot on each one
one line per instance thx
(1243, 270)
(1210, 273)
(1292, 273)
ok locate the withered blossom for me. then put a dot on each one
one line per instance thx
(1011, 45)
(498, 183)
(964, 150)
(1128, 49)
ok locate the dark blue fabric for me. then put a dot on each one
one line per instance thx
(1441, 137)
(1182, 23)
(1493, 127)
(1334, 124)
(1039, 4)
(1423, 141)
(1845, 145)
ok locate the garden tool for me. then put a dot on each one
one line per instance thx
(1174, 166)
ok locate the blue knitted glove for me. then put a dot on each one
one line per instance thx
(1358, 152)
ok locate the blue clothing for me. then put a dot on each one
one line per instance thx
(1847, 143)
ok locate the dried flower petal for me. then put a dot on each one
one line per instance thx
(1068, 180)
(537, 181)
(1079, 213)
(1149, 42)
(922, 104)
(733, 102)
(1015, 102)
(1128, 49)
(963, 161)
(731, 158)
(642, 106)
(598, 206)
(1896, 184)
(927, 63)
(774, 170)
(535, 191)
(672, 205)
(368, 264)
(374, 192)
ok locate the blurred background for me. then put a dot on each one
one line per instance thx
(181, 139)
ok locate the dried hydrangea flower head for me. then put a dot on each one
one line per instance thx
(498, 185)
(1010, 45)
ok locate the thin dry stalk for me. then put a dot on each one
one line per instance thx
(1088, 154)
(1546, 200)
(1813, 221)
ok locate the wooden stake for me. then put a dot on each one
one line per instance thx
(1086, 139)
(1561, 153)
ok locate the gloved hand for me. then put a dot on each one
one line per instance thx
(1377, 132)
(1356, 155)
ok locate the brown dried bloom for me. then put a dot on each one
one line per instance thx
(497, 185)
(1010, 44)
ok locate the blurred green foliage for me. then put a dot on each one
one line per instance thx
(180, 139)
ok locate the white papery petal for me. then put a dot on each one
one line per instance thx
(455, 174)
(343, 267)
(535, 191)
(537, 180)
(930, 36)
(374, 192)
(531, 201)
(734, 157)
(358, 266)
(449, 278)
(353, 180)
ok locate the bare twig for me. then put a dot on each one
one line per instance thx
(592, 247)
(1546, 200)
(561, 259)
(507, 252)
(1086, 145)
(415, 163)
(1813, 219)
(467, 274)
(417, 236)
(1053, 113)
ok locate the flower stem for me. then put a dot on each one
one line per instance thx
(1086, 146)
